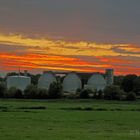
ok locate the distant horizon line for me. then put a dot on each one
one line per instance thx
(62, 72)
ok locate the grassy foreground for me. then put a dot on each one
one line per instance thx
(69, 120)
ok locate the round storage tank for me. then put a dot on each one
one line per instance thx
(71, 83)
(46, 79)
(19, 82)
(97, 81)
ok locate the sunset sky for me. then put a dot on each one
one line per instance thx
(70, 35)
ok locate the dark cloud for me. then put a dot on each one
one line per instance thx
(100, 21)
(107, 21)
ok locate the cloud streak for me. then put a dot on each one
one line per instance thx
(43, 53)
(68, 48)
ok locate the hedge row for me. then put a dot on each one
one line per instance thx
(55, 92)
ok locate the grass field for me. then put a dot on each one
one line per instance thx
(69, 120)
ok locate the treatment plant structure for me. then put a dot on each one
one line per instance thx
(96, 82)
(46, 79)
(18, 81)
(73, 81)
(70, 83)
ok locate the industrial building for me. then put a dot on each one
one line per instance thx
(71, 81)
(92, 81)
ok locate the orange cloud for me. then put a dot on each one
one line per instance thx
(43, 53)
(51, 62)
(60, 47)
(41, 61)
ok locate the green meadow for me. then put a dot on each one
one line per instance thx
(69, 120)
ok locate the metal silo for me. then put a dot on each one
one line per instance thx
(71, 83)
(19, 82)
(109, 76)
(46, 79)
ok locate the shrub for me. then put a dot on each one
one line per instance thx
(18, 94)
(13, 92)
(112, 93)
(131, 96)
(2, 89)
(78, 91)
(31, 92)
(71, 95)
(42, 94)
(55, 90)
(77, 94)
(128, 83)
(99, 95)
(122, 95)
(137, 85)
(85, 93)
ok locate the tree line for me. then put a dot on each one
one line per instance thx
(124, 88)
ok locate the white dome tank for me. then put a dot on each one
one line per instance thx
(19, 82)
(97, 81)
(71, 83)
(46, 79)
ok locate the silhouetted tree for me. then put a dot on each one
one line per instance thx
(55, 90)
(31, 92)
(131, 96)
(137, 85)
(34, 78)
(42, 94)
(112, 93)
(118, 80)
(18, 94)
(85, 93)
(13, 92)
(99, 95)
(2, 89)
(128, 82)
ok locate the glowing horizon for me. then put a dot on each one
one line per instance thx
(70, 35)
(46, 54)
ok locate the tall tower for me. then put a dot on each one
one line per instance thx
(109, 76)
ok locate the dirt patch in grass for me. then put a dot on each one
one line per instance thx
(97, 109)
(33, 107)
(21, 109)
